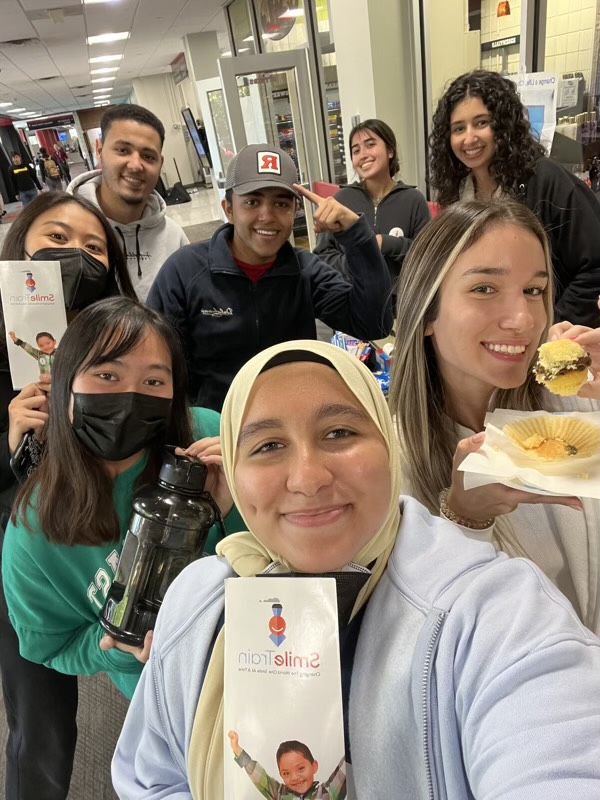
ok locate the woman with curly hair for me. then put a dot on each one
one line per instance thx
(482, 146)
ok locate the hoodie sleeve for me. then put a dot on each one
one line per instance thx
(571, 216)
(361, 304)
(327, 249)
(34, 176)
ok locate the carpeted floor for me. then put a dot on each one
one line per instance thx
(198, 233)
(102, 710)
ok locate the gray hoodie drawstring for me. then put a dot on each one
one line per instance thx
(137, 246)
(137, 249)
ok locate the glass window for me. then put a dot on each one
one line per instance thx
(333, 111)
(241, 28)
(281, 24)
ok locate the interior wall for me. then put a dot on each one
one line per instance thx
(158, 93)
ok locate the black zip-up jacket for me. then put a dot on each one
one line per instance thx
(224, 318)
(571, 216)
(404, 208)
(23, 178)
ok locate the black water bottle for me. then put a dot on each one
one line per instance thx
(167, 531)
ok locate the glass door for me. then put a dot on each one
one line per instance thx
(268, 99)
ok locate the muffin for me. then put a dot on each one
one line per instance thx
(562, 366)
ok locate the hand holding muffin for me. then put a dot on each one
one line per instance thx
(589, 340)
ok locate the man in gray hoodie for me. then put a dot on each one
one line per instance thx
(129, 154)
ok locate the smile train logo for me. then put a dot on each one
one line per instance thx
(29, 282)
(277, 625)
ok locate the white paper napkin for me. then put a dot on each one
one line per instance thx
(500, 460)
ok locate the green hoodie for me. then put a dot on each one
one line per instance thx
(55, 592)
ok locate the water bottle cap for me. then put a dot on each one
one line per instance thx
(182, 473)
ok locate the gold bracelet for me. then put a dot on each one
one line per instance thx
(465, 521)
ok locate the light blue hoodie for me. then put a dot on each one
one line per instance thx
(473, 678)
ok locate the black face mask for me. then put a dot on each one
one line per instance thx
(114, 426)
(84, 278)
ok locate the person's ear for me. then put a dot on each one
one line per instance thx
(99, 151)
(428, 329)
(162, 161)
(228, 209)
(315, 766)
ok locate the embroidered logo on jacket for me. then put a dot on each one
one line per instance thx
(216, 312)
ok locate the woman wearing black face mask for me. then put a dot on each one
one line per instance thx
(41, 703)
(118, 396)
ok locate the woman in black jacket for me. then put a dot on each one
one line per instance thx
(393, 209)
(482, 146)
(40, 703)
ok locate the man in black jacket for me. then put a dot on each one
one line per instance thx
(24, 180)
(248, 288)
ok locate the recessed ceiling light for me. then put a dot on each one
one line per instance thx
(104, 59)
(108, 37)
(103, 89)
(101, 70)
(102, 80)
(5, 105)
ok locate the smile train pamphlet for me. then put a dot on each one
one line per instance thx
(283, 719)
(34, 317)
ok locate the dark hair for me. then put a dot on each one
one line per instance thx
(133, 113)
(105, 331)
(383, 130)
(14, 153)
(43, 151)
(517, 151)
(13, 248)
(294, 747)
(46, 334)
(228, 195)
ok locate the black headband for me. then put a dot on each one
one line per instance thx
(291, 356)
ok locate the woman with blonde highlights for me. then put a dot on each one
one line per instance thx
(475, 302)
(448, 650)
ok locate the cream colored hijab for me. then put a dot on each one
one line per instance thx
(248, 556)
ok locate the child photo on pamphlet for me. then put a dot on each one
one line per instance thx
(297, 769)
(44, 352)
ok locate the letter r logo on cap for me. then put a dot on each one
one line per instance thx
(269, 162)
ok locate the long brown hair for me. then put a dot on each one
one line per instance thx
(104, 331)
(428, 437)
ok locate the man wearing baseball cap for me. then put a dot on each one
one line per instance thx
(248, 288)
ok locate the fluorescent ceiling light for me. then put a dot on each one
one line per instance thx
(101, 97)
(102, 80)
(104, 59)
(108, 37)
(95, 2)
(248, 38)
(244, 50)
(30, 114)
(226, 53)
(102, 90)
(16, 110)
(103, 70)
(5, 105)
(291, 13)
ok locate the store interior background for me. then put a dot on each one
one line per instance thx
(365, 58)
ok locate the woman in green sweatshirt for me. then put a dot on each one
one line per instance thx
(118, 396)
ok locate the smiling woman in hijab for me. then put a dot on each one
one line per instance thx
(469, 671)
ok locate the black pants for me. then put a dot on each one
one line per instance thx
(41, 710)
